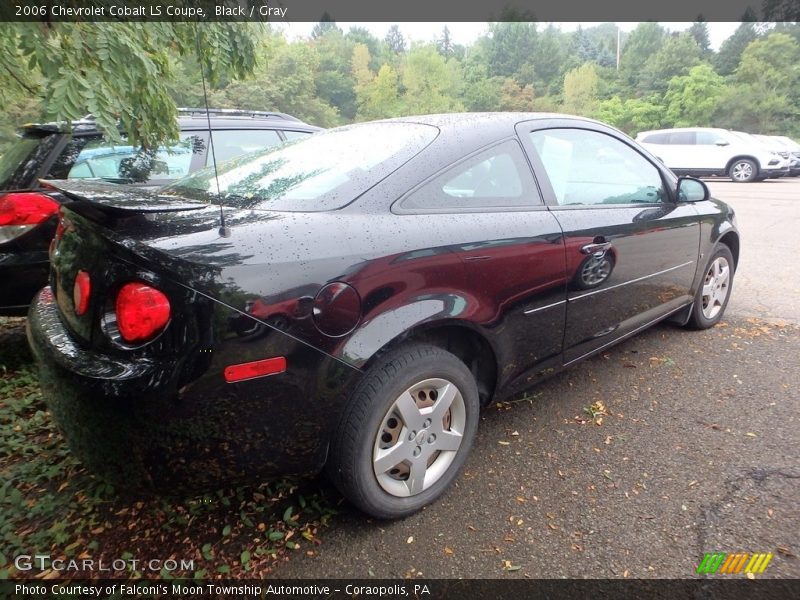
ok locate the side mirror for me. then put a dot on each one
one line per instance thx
(692, 190)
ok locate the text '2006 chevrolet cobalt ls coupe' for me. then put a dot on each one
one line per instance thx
(350, 301)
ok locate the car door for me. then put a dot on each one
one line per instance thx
(713, 150)
(631, 249)
(493, 218)
(683, 153)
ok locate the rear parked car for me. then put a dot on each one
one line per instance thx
(789, 151)
(706, 152)
(80, 152)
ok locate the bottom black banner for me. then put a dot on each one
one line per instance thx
(496, 589)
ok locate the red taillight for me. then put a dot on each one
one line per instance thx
(26, 208)
(142, 311)
(257, 368)
(81, 292)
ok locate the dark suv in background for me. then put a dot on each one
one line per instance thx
(49, 151)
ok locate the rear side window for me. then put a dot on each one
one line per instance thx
(709, 138)
(682, 138)
(230, 143)
(296, 135)
(21, 163)
(325, 171)
(93, 157)
(495, 178)
(656, 138)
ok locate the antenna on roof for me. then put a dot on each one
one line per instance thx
(224, 230)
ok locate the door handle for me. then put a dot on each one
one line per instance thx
(596, 247)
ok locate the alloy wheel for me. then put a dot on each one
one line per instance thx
(716, 286)
(742, 171)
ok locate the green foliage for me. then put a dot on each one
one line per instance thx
(765, 88)
(581, 90)
(119, 72)
(632, 115)
(693, 99)
(334, 77)
(699, 31)
(642, 43)
(286, 83)
(675, 57)
(512, 48)
(432, 84)
(395, 40)
(731, 50)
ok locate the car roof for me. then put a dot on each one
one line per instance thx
(193, 119)
(484, 118)
(669, 129)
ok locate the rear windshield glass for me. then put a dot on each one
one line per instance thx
(94, 157)
(322, 172)
(21, 162)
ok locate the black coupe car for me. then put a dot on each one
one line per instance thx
(351, 301)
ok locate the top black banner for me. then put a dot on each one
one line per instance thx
(397, 11)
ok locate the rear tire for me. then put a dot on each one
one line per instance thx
(714, 290)
(406, 432)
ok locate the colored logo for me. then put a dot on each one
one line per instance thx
(731, 563)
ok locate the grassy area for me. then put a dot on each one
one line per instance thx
(50, 505)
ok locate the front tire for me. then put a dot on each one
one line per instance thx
(406, 432)
(743, 170)
(714, 291)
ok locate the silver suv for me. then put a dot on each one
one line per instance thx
(707, 151)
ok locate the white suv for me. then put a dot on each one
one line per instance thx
(704, 151)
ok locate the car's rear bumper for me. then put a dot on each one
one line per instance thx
(128, 421)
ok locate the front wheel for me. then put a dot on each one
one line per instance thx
(406, 431)
(714, 291)
(743, 171)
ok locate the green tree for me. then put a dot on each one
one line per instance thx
(730, 52)
(677, 55)
(765, 90)
(119, 72)
(550, 57)
(287, 84)
(333, 77)
(516, 97)
(325, 25)
(699, 31)
(378, 50)
(445, 44)
(631, 115)
(642, 43)
(432, 84)
(384, 95)
(395, 40)
(511, 49)
(481, 90)
(580, 90)
(693, 99)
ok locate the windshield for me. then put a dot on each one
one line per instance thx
(325, 171)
